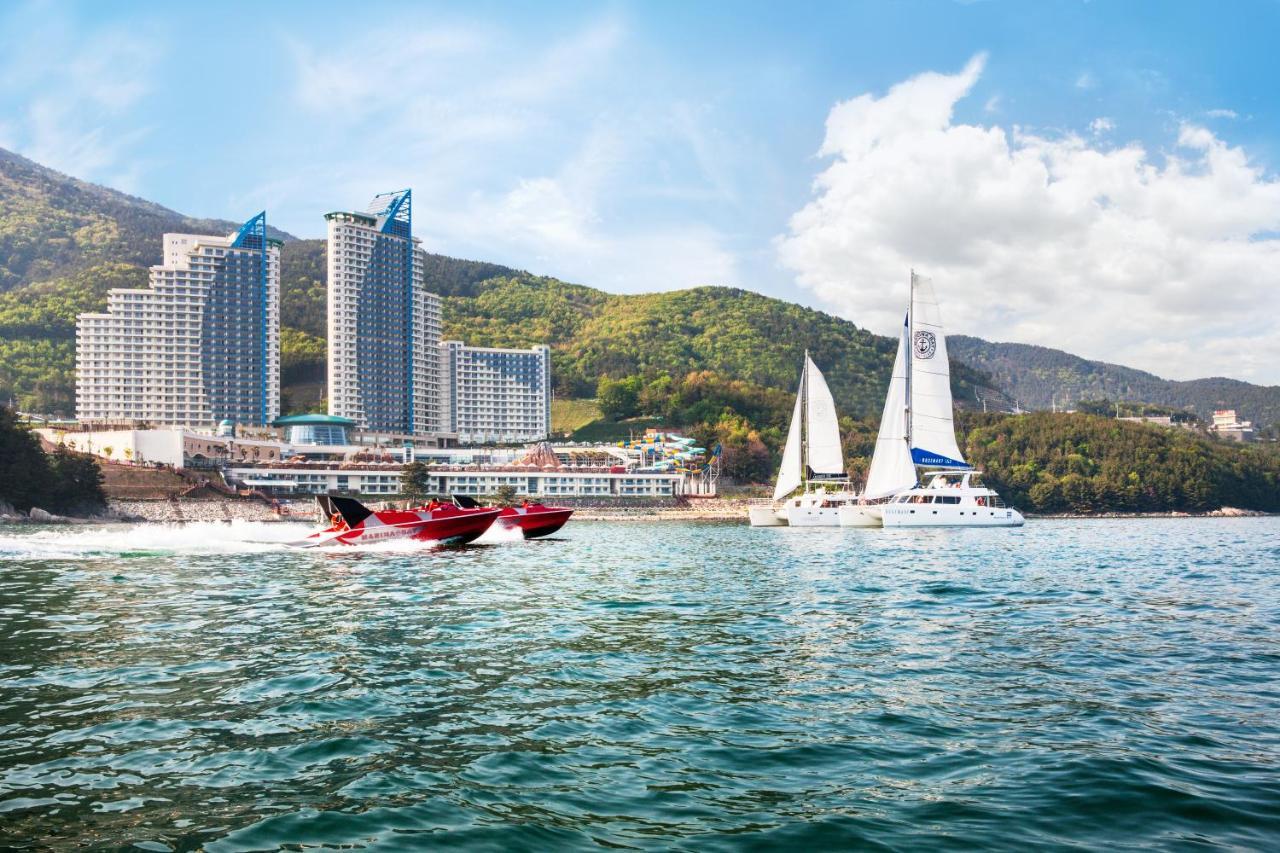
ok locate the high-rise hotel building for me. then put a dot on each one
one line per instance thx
(198, 346)
(496, 395)
(384, 327)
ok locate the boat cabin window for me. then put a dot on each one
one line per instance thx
(948, 499)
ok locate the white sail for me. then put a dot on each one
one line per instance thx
(892, 470)
(826, 456)
(933, 433)
(789, 474)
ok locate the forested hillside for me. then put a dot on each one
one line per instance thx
(1080, 463)
(51, 224)
(1034, 375)
(723, 358)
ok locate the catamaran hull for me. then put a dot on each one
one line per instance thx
(766, 516)
(924, 515)
(813, 516)
(855, 515)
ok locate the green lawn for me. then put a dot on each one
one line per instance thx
(568, 416)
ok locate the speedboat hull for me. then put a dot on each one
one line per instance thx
(352, 523)
(536, 520)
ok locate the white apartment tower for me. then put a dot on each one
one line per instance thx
(384, 327)
(496, 395)
(198, 346)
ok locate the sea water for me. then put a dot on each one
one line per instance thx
(1089, 684)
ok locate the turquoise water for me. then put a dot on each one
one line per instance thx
(693, 686)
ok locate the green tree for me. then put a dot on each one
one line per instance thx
(24, 473)
(619, 398)
(415, 481)
(62, 482)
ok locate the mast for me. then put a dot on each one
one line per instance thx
(911, 348)
(804, 421)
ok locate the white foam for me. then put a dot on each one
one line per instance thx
(499, 533)
(205, 537)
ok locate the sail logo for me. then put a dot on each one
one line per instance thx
(926, 344)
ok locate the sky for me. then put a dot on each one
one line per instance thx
(1100, 177)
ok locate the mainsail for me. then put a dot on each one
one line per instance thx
(826, 457)
(789, 474)
(813, 441)
(892, 469)
(932, 431)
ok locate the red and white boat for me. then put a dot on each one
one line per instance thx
(353, 523)
(533, 520)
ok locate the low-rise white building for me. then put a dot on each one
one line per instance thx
(1227, 425)
(371, 480)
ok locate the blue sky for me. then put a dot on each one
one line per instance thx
(660, 145)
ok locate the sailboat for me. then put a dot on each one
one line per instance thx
(917, 437)
(813, 459)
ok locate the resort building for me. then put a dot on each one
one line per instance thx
(310, 456)
(1227, 424)
(383, 326)
(198, 346)
(496, 395)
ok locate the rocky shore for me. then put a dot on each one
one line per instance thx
(206, 509)
(203, 509)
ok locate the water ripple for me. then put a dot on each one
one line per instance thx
(677, 686)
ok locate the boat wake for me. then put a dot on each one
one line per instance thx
(140, 540)
(500, 534)
(195, 538)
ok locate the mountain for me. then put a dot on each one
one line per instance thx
(65, 242)
(1034, 376)
(52, 224)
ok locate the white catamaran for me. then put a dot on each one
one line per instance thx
(812, 458)
(917, 434)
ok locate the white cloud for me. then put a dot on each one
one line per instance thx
(1101, 125)
(555, 224)
(476, 124)
(1167, 264)
(1232, 114)
(1086, 80)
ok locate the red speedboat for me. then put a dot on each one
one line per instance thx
(533, 520)
(353, 523)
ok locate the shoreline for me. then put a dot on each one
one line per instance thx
(203, 510)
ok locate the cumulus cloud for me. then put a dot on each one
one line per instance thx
(1165, 262)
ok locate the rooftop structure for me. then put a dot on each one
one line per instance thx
(315, 430)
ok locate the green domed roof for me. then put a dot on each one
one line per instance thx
(313, 420)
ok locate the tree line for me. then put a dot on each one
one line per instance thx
(62, 482)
